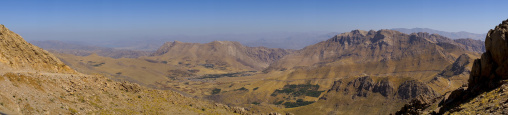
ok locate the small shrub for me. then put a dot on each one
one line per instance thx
(256, 88)
(216, 91)
(73, 111)
(81, 99)
(243, 89)
(151, 61)
(278, 102)
(100, 64)
(255, 103)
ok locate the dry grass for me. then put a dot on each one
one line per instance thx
(18, 79)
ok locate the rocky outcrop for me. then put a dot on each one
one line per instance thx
(370, 93)
(493, 65)
(15, 52)
(362, 85)
(458, 67)
(412, 88)
(384, 87)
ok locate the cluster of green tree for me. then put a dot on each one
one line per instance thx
(298, 103)
(299, 90)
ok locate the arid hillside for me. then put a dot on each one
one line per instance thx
(33, 81)
(223, 54)
(179, 66)
(18, 54)
(358, 69)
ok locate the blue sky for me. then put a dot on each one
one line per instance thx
(130, 19)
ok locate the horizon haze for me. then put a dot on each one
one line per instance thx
(100, 21)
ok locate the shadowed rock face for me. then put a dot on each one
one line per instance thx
(363, 86)
(371, 93)
(458, 67)
(493, 65)
(384, 87)
(412, 88)
(15, 52)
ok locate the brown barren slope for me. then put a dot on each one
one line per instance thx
(33, 81)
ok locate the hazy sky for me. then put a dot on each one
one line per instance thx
(129, 19)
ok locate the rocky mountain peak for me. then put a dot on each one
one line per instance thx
(387, 32)
(359, 32)
(363, 37)
(2, 27)
(176, 42)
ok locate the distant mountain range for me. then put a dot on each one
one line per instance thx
(285, 40)
(85, 50)
(452, 35)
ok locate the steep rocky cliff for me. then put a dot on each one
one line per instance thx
(19, 54)
(483, 92)
(380, 52)
(371, 93)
